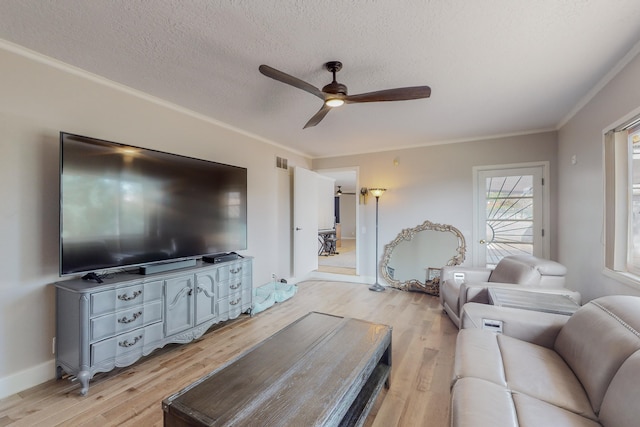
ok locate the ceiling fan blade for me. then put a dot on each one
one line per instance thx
(318, 116)
(290, 80)
(399, 94)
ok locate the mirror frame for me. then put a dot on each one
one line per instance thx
(408, 234)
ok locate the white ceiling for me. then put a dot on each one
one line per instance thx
(496, 67)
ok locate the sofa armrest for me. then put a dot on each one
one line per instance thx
(532, 326)
(479, 291)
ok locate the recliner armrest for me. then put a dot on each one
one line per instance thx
(471, 274)
(532, 326)
(479, 291)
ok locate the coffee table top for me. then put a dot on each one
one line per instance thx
(302, 375)
(533, 300)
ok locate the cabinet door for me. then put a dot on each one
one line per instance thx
(205, 296)
(178, 304)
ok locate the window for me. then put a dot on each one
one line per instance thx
(622, 199)
(509, 216)
(634, 241)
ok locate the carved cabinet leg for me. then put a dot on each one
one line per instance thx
(83, 377)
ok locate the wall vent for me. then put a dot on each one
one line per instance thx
(282, 163)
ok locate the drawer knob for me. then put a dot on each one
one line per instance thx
(236, 270)
(135, 316)
(126, 343)
(125, 297)
(236, 301)
(236, 286)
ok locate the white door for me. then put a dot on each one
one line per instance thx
(305, 222)
(511, 213)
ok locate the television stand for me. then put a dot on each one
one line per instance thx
(100, 326)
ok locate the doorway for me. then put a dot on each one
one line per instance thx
(511, 212)
(344, 259)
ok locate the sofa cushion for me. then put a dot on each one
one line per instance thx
(540, 372)
(546, 267)
(478, 356)
(520, 366)
(513, 270)
(597, 339)
(479, 403)
(534, 412)
(450, 294)
(620, 405)
(532, 326)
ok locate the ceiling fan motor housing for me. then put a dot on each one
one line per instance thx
(335, 88)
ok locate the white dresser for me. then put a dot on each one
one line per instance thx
(114, 323)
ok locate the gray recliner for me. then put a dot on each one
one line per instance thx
(460, 285)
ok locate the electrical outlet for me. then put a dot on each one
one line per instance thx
(273, 276)
(53, 345)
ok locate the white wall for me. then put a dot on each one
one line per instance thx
(435, 183)
(348, 215)
(39, 99)
(580, 194)
(326, 208)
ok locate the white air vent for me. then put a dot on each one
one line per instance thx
(282, 163)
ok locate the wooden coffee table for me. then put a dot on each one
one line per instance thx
(321, 370)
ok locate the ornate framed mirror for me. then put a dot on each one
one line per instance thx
(412, 261)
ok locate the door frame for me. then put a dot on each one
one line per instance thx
(546, 209)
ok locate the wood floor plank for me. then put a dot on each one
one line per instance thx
(422, 362)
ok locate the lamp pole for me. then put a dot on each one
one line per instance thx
(377, 192)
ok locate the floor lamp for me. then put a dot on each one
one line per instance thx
(377, 192)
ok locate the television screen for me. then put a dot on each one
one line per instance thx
(124, 206)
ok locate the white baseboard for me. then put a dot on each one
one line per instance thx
(27, 378)
(318, 275)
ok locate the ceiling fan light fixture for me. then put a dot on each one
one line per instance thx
(334, 102)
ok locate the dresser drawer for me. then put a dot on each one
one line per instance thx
(124, 297)
(234, 271)
(125, 320)
(235, 304)
(233, 286)
(126, 348)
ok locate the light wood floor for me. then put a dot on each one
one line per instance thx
(422, 358)
(340, 267)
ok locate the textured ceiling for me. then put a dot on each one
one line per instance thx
(496, 67)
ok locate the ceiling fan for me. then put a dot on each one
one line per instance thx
(335, 94)
(340, 192)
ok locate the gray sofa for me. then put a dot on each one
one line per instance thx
(589, 375)
(459, 285)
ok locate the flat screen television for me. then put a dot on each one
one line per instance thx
(123, 206)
